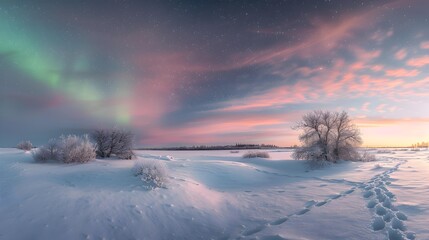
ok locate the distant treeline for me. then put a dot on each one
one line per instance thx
(421, 145)
(224, 147)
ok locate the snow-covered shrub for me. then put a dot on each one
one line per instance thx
(25, 145)
(47, 152)
(152, 172)
(385, 151)
(367, 157)
(377, 166)
(73, 148)
(113, 142)
(256, 154)
(67, 149)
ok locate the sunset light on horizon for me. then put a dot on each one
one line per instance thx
(211, 73)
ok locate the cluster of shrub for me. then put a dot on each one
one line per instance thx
(79, 149)
(104, 143)
(256, 154)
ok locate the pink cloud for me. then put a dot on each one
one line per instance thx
(402, 72)
(380, 108)
(380, 36)
(377, 68)
(379, 122)
(401, 54)
(238, 128)
(419, 61)
(365, 106)
(424, 45)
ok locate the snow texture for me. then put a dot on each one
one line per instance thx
(216, 195)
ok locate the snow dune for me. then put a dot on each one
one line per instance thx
(216, 195)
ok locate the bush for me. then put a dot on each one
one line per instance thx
(256, 154)
(152, 172)
(76, 149)
(25, 145)
(367, 157)
(47, 152)
(113, 142)
(68, 149)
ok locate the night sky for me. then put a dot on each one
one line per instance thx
(207, 72)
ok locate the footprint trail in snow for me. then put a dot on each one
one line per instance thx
(380, 199)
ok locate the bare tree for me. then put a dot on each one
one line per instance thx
(327, 136)
(347, 137)
(113, 142)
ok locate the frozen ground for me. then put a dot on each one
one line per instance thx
(216, 195)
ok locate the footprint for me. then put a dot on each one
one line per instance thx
(321, 203)
(411, 235)
(279, 221)
(303, 211)
(378, 224)
(401, 216)
(336, 196)
(395, 234)
(398, 224)
(254, 230)
(368, 194)
(388, 217)
(309, 203)
(349, 191)
(372, 203)
(380, 210)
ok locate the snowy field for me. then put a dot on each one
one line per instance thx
(216, 195)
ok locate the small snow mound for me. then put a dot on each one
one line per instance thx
(385, 151)
(378, 224)
(166, 158)
(377, 166)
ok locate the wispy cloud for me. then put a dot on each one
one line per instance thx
(418, 61)
(402, 72)
(401, 54)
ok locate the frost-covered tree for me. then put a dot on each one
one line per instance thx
(113, 142)
(25, 145)
(327, 136)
